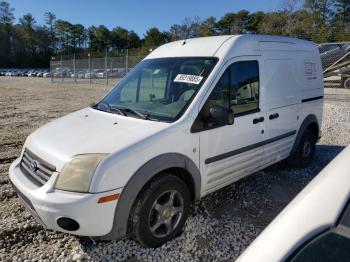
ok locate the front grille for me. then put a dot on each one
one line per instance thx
(36, 169)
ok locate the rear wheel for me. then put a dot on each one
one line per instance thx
(160, 212)
(305, 152)
(347, 83)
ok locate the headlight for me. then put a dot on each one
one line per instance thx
(76, 175)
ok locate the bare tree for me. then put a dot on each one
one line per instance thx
(191, 26)
(291, 6)
(50, 19)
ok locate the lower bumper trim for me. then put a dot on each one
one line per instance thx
(28, 205)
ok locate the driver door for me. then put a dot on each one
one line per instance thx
(230, 152)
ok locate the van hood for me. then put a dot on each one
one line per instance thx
(88, 131)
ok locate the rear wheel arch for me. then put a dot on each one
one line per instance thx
(310, 122)
(177, 164)
(314, 128)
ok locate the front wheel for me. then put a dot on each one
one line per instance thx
(305, 152)
(160, 212)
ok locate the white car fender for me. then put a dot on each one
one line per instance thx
(316, 208)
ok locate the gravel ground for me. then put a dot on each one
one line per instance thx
(221, 225)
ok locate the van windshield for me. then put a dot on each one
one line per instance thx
(158, 89)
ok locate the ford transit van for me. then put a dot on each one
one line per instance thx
(194, 116)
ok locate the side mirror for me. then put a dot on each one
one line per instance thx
(221, 115)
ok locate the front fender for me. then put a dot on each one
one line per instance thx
(140, 179)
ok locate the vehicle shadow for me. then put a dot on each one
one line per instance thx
(260, 197)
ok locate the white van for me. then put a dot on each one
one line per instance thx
(191, 118)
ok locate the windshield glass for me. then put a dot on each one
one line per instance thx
(158, 89)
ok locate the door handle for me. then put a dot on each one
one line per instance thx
(274, 116)
(258, 120)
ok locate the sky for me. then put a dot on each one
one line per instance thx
(136, 15)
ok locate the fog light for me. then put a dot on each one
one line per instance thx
(68, 224)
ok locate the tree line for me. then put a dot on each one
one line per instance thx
(28, 44)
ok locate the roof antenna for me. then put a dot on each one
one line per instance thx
(188, 34)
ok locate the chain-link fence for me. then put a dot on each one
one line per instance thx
(335, 59)
(92, 70)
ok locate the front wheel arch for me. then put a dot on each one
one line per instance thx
(145, 174)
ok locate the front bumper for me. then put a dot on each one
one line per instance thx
(47, 205)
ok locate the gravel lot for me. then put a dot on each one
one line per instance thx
(220, 227)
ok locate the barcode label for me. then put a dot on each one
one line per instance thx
(190, 79)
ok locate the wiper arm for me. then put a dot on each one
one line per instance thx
(116, 109)
(135, 112)
(122, 111)
(111, 108)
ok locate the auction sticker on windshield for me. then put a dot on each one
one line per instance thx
(190, 79)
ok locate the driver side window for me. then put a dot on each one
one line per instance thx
(220, 95)
(238, 88)
(237, 91)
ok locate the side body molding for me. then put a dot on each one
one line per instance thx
(310, 119)
(139, 179)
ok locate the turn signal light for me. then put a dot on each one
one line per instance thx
(108, 198)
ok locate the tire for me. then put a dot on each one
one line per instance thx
(305, 152)
(347, 83)
(153, 219)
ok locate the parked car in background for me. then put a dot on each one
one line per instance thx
(47, 74)
(101, 74)
(32, 73)
(96, 72)
(73, 75)
(315, 226)
(9, 73)
(109, 72)
(91, 74)
(17, 72)
(81, 74)
(194, 116)
(88, 75)
(3, 72)
(24, 73)
(56, 73)
(61, 72)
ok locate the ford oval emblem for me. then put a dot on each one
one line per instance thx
(34, 166)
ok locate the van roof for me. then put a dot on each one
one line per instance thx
(210, 46)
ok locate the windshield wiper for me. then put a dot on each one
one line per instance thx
(123, 111)
(133, 111)
(110, 108)
(116, 109)
(130, 110)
